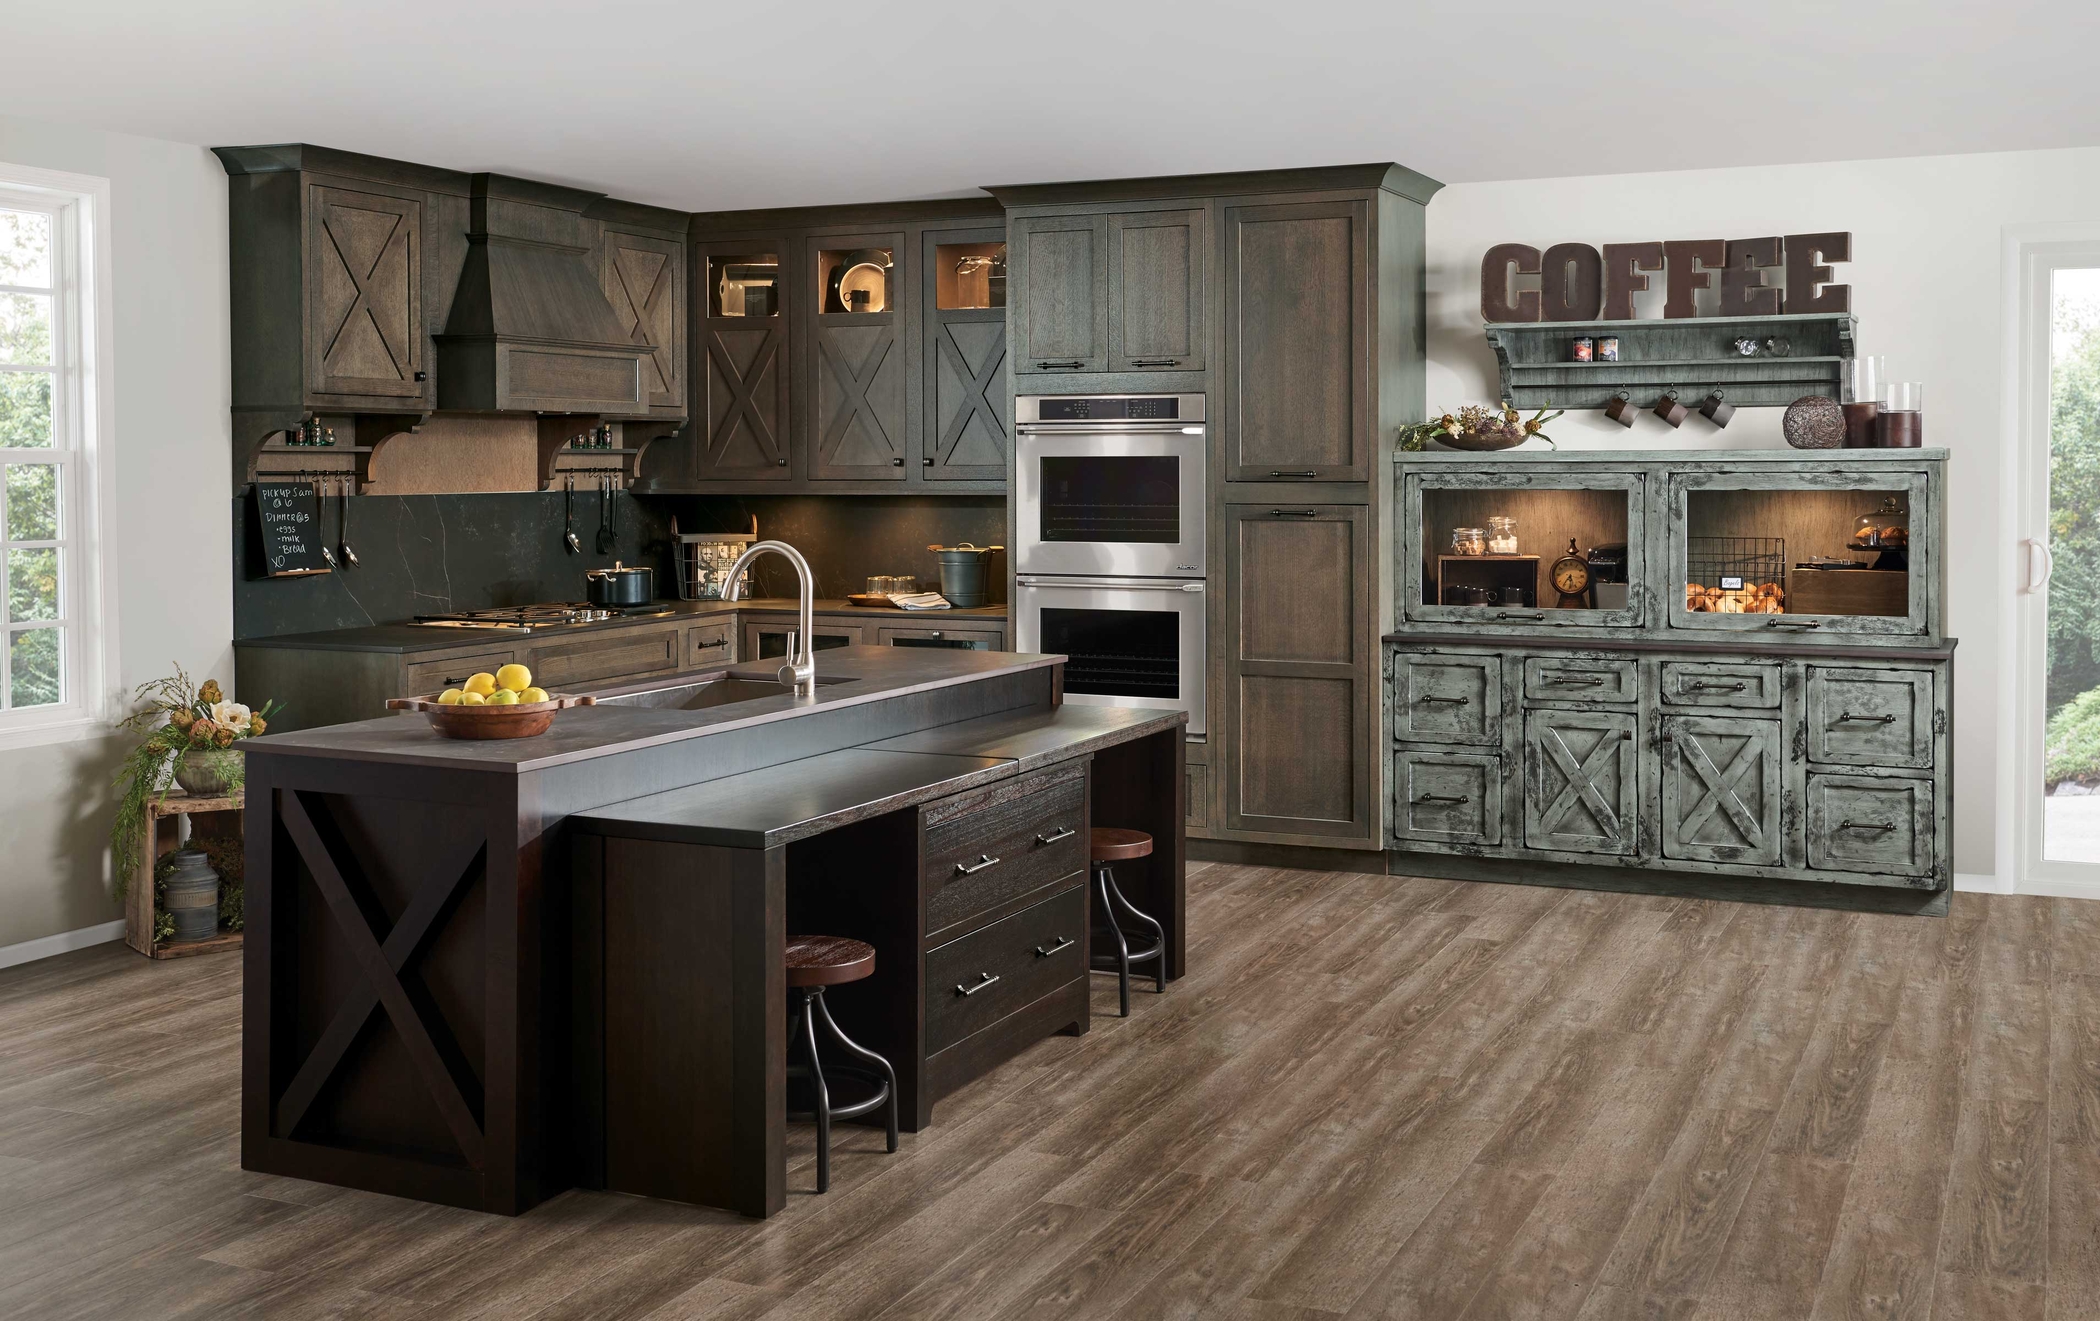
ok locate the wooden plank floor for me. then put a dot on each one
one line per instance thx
(1373, 1097)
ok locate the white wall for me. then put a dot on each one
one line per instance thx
(1926, 243)
(168, 533)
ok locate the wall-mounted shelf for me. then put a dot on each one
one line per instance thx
(1691, 355)
(260, 451)
(556, 458)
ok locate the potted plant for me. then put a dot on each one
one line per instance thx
(192, 735)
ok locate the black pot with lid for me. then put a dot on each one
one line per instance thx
(620, 585)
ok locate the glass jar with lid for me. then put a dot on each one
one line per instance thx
(1468, 541)
(1885, 528)
(1501, 535)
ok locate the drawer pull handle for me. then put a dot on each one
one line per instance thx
(984, 860)
(1455, 800)
(1844, 716)
(1045, 951)
(1294, 513)
(1520, 614)
(1453, 701)
(1575, 680)
(1065, 363)
(1703, 687)
(1878, 827)
(1155, 362)
(1301, 472)
(1062, 832)
(984, 979)
(1793, 623)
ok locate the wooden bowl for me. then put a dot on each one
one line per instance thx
(522, 720)
(1478, 442)
(875, 599)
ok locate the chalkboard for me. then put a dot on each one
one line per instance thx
(290, 521)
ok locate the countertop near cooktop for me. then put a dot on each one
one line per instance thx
(407, 637)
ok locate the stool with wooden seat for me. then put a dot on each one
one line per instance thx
(1108, 845)
(813, 963)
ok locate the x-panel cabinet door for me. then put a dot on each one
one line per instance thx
(1721, 789)
(364, 274)
(1581, 790)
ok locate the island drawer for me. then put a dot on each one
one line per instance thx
(1753, 684)
(709, 644)
(426, 677)
(991, 846)
(1877, 716)
(1580, 679)
(976, 981)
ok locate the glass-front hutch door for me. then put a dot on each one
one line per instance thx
(1481, 549)
(1851, 551)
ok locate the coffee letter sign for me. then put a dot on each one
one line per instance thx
(1803, 276)
(1692, 266)
(1622, 280)
(290, 518)
(1502, 261)
(1573, 283)
(1743, 288)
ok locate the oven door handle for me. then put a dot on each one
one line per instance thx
(1125, 585)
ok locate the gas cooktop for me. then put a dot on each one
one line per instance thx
(545, 614)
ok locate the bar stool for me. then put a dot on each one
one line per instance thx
(1106, 845)
(813, 963)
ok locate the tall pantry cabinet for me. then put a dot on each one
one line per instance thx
(1293, 300)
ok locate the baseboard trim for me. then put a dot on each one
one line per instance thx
(2057, 889)
(1980, 883)
(1285, 855)
(43, 947)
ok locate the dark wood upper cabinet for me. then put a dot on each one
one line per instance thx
(1297, 373)
(1299, 702)
(644, 279)
(365, 337)
(1155, 290)
(968, 411)
(741, 363)
(1059, 267)
(858, 365)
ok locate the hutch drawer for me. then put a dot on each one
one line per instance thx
(1870, 715)
(1447, 797)
(1875, 824)
(974, 982)
(1749, 684)
(438, 675)
(1002, 843)
(1585, 679)
(1441, 698)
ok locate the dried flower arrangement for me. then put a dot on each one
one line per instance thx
(1479, 427)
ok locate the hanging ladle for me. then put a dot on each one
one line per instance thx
(321, 520)
(343, 526)
(568, 517)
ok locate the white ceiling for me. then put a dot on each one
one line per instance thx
(707, 106)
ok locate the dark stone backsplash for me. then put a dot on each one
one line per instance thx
(426, 554)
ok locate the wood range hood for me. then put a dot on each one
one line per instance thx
(530, 329)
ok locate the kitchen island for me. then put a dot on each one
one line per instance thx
(478, 973)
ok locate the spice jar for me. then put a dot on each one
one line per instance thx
(1468, 541)
(1501, 535)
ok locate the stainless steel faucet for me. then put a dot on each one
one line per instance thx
(801, 669)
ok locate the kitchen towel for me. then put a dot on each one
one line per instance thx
(918, 600)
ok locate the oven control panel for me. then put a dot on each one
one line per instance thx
(1165, 408)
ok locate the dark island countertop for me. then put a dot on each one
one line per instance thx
(797, 799)
(409, 637)
(846, 676)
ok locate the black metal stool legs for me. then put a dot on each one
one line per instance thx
(877, 1072)
(1109, 897)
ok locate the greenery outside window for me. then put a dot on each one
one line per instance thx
(52, 641)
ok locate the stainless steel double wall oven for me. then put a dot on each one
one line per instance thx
(1108, 551)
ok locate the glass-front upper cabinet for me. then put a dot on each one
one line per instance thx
(969, 276)
(1836, 552)
(743, 284)
(856, 279)
(1513, 550)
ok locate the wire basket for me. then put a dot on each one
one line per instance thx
(704, 558)
(1734, 562)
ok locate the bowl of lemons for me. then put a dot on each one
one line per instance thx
(505, 704)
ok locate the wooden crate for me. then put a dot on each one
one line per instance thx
(208, 817)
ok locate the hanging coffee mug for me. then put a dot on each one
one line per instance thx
(1669, 410)
(1716, 410)
(1620, 409)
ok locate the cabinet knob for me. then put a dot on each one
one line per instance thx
(422, 376)
(897, 463)
(927, 462)
(783, 463)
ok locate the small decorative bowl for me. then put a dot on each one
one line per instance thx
(1481, 442)
(518, 720)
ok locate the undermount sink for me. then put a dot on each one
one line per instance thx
(701, 696)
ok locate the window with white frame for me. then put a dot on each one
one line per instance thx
(51, 644)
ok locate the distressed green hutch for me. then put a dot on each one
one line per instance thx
(1753, 699)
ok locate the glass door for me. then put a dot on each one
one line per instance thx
(2058, 608)
(1503, 552)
